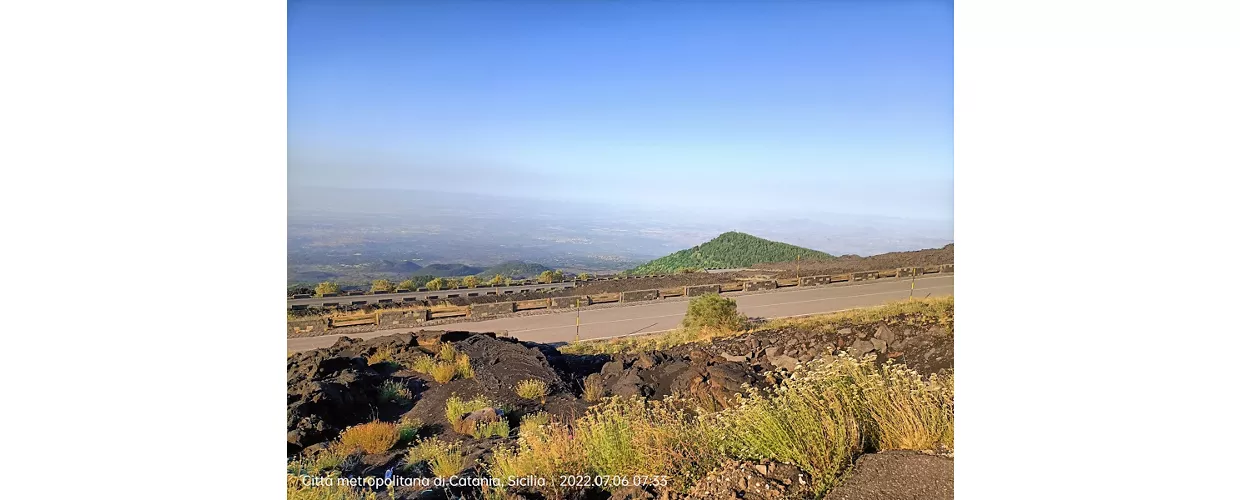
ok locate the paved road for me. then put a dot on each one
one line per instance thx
(662, 316)
(439, 294)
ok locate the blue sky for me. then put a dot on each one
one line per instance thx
(786, 106)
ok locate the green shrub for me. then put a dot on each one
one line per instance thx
(712, 311)
(408, 429)
(435, 284)
(407, 285)
(382, 356)
(549, 276)
(394, 392)
(469, 281)
(497, 280)
(488, 429)
(325, 288)
(423, 364)
(447, 352)
(532, 389)
(381, 286)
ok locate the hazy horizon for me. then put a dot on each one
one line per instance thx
(727, 108)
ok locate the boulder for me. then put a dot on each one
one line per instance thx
(484, 416)
(786, 362)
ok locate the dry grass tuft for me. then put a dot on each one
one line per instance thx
(444, 371)
(381, 356)
(463, 368)
(371, 437)
(593, 388)
(423, 364)
(445, 459)
(447, 352)
(819, 420)
(531, 389)
(333, 491)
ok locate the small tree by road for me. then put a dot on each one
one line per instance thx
(381, 286)
(326, 287)
(713, 311)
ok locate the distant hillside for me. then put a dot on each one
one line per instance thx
(387, 266)
(514, 269)
(449, 270)
(728, 250)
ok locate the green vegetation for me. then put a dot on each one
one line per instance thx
(593, 389)
(536, 419)
(381, 286)
(445, 459)
(435, 284)
(514, 268)
(447, 364)
(423, 364)
(470, 281)
(713, 311)
(325, 288)
(915, 313)
(408, 428)
(331, 491)
(447, 270)
(498, 280)
(392, 391)
(549, 276)
(728, 250)
(532, 389)
(485, 430)
(820, 420)
(382, 356)
(583, 276)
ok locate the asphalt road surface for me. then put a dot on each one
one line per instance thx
(658, 316)
(439, 294)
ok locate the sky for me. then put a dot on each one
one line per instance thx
(796, 106)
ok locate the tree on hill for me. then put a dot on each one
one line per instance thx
(728, 250)
(515, 268)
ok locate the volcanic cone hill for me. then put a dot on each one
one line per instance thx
(729, 250)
